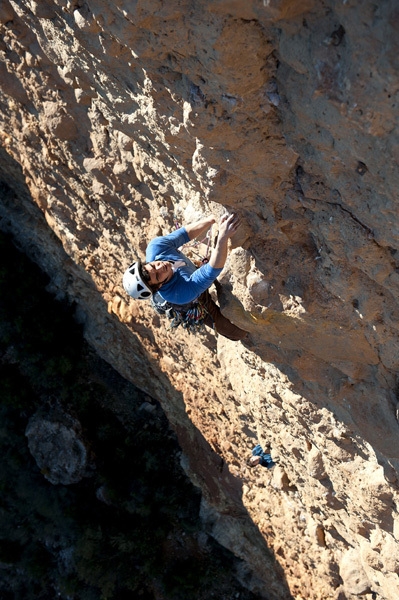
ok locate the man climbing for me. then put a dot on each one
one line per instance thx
(176, 287)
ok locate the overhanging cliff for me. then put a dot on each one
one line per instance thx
(119, 119)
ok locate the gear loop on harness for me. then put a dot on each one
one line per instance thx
(190, 316)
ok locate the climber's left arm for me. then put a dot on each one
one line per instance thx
(196, 229)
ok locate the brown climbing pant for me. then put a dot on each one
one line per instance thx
(215, 319)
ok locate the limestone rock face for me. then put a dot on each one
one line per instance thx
(119, 121)
(353, 574)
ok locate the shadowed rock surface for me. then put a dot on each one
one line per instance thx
(55, 441)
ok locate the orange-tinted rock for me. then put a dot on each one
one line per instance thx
(119, 121)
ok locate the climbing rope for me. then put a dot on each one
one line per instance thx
(196, 243)
(191, 318)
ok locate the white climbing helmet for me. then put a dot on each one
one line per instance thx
(134, 284)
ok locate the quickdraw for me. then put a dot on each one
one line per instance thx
(192, 318)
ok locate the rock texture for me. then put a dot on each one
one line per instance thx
(119, 119)
(56, 442)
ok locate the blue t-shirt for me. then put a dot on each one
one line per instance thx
(188, 282)
(265, 459)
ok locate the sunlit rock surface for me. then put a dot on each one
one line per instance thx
(119, 120)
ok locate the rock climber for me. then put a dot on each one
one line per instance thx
(260, 458)
(176, 287)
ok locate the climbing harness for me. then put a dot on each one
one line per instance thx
(190, 316)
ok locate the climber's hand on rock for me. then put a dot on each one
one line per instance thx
(228, 225)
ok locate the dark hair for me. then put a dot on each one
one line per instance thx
(144, 274)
